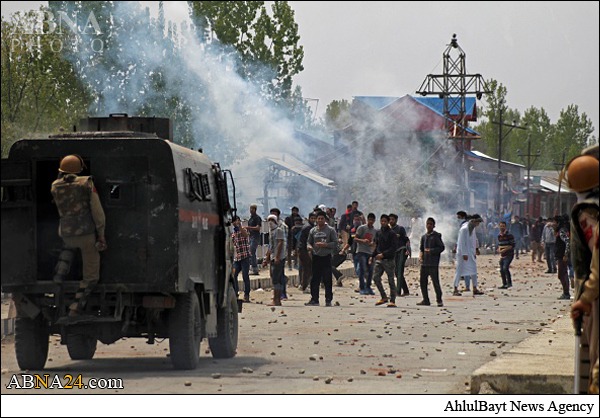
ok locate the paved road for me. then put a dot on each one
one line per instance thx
(356, 347)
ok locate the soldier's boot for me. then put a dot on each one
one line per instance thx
(276, 298)
(78, 307)
(75, 309)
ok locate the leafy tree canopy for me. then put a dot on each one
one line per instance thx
(570, 134)
(40, 90)
(267, 42)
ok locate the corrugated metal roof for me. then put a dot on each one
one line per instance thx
(479, 154)
(553, 186)
(549, 180)
(437, 104)
(290, 163)
(434, 104)
(327, 139)
(376, 102)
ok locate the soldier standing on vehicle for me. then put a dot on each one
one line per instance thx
(583, 178)
(82, 223)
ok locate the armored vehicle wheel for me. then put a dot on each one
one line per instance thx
(225, 344)
(185, 331)
(81, 347)
(31, 342)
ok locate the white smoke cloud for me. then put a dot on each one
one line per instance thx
(391, 167)
(228, 117)
(386, 170)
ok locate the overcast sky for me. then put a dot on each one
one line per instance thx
(544, 53)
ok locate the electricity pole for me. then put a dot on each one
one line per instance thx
(501, 137)
(453, 86)
(529, 165)
(559, 167)
(306, 100)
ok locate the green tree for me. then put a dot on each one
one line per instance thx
(572, 132)
(150, 68)
(538, 131)
(337, 114)
(139, 70)
(300, 112)
(495, 113)
(267, 44)
(40, 90)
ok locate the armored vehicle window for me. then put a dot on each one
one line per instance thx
(16, 183)
(121, 194)
(115, 192)
(205, 186)
(16, 191)
(198, 186)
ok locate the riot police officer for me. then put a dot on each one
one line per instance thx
(82, 223)
(582, 174)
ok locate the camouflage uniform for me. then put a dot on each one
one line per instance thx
(584, 253)
(82, 223)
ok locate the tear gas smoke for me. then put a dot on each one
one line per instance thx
(386, 166)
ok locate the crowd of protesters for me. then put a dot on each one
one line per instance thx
(319, 244)
(324, 241)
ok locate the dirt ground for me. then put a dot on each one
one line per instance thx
(354, 347)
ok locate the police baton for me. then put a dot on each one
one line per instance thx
(578, 322)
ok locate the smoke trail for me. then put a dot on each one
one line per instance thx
(143, 71)
(383, 162)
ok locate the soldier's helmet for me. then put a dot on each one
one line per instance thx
(71, 164)
(582, 173)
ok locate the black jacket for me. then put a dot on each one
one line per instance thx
(536, 232)
(403, 241)
(302, 242)
(436, 246)
(387, 243)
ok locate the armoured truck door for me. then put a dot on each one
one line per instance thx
(122, 184)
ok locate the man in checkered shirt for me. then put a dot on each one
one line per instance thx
(241, 255)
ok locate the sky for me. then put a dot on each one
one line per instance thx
(544, 53)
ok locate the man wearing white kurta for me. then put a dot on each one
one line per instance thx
(466, 254)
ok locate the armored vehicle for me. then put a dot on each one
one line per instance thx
(167, 270)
